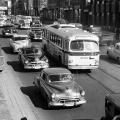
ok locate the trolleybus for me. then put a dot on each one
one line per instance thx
(71, 46)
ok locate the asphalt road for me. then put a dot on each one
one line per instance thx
(96, 84)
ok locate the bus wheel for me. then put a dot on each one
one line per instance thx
(89, 71)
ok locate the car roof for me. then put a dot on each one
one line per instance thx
(56, 70)
(20, 35)
(114, 98)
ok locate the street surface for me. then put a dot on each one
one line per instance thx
(97, 84)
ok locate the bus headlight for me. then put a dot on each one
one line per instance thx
(70, 61)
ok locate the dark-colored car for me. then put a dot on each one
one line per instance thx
(58, 87)
(112, 107)
(32, 58)
(35, 34)
(8, 31)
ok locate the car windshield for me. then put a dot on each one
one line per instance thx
(34, 51)
(81, 45)
(21, 38)
(60, 78)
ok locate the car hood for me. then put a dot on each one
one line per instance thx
(62, 87)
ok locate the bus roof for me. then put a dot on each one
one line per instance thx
(67, 32)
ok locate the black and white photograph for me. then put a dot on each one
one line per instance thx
(59, 59)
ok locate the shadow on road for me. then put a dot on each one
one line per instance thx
(109, 60)
(8, 50)
(19, 68)
(34, 96)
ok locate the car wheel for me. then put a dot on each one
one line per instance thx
(118, 59)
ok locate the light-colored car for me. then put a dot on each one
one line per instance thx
(24, 24)
(19, 41)
(32, 58)
(113, 51)
(9, 31)
(58, 87)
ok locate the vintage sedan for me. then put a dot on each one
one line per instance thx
(58, 87)
(35, 34)
(19, 41)
(113, 51)
(24, 24)
(9, 31)
(32, 58)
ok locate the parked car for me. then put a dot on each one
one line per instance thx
(9, 31)
(19, 41)
(8, 23)
(112, 107)
(113, 51)
(97, 30)
(58, 87)
(35, 34)
(2, 60)
(32, 58)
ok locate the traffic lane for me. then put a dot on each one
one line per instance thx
(83, 79)
(37, 103)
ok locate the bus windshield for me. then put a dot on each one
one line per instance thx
(84, 45)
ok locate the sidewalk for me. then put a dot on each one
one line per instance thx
(13, 104)
(4, 110)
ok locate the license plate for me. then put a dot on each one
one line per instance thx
(83, 57)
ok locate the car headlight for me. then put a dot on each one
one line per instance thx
(53, 96)
(46, 60)
(26, 61)
(82, 92)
